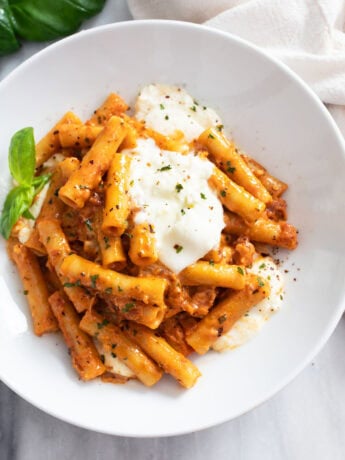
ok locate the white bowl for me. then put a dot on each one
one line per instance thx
(273, 116)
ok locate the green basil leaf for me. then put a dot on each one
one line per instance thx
(21, 158)
(27, 214)
(17, 202)
(8, 41)
(40, 181)
(48, 19)
(88, 7)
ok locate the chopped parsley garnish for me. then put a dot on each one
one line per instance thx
(183, 212)
(220, 127)
(193, 108)
(131, 183)
(178, 248)
(263, 265)
(102, 324)
(69, 285)
(230, 168)
(166, 117)
(240, 270)
(164, 168)
(260, 282)
(178, 187)
(106, 241)
(93, 279)
(222, 318)
(25, 292)
(203, 196)
(223, 193)
(108, 290)
(119, 288)
(128, 307)
(211, 136)
(88, 224)
(161, 106)
(211, 262)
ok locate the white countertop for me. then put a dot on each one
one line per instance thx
(305, 421)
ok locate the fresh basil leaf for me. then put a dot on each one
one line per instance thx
(27, 214)
(8, 41)
(17, 202)
(21, 158)
(89, 7)
(48, 19)
(40, 181)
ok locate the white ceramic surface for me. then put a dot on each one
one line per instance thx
(273, 116)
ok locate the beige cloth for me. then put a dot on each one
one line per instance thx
(307, 35)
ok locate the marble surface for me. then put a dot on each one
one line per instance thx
(305, 421)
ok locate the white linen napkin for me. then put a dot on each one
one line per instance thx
(307, 35)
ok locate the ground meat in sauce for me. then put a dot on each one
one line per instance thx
(277, 209)
(174, 334)
(244, 251)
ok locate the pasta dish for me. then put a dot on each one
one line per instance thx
(142, 236)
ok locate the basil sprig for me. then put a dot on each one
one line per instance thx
(21, 160)
(42, 20)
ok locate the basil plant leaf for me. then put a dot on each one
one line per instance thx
(21, 158)
(40, 181)
(17, 202)
(28, 215)
(42, 20)
(8, 41)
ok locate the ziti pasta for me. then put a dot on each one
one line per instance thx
(138, 236)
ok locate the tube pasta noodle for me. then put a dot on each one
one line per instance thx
(57, 247)
(263, 230)
(149, 290)
(96, 162)
(78, 136)
(230, 161)
(52, 207)
(84, 356)
(236, 198)
(224, 315)
(173, 362)
(117, 343)
(35, 289)
(113, 254)
(275, 186)
(113, 105)
(102, 276)
(223, 275)
(50, 143)
(142, 249)
(116, 207)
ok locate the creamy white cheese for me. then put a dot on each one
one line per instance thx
(173, 195)
(53, 161)
(26, 225)
(253, 321)
(166, 109)
(113, 363)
